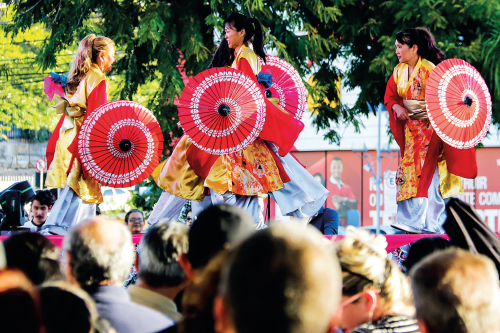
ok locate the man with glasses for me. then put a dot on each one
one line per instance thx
(135, 221)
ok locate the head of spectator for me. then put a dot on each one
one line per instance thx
(40, 206)
(282, 279)
(336, 168)
(35, 255)
(189, 219)
(134, 220)
(199, 296)
(215, 229)
(422, 248)
(160, 274)
(19, 304)
(373, 287)
(456, 292)
(67, 308)
(99, 252)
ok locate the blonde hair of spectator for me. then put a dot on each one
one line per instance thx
(365, 265)
(87, 54)
(457, 287)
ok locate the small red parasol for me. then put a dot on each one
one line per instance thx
(120, 144)
(458, 103)
(287, 85)
(222, 110)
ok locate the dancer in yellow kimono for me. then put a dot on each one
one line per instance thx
(86, 90)
(264, 167)
(430, 169)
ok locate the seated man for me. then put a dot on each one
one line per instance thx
(100, 253)
(161, 276)
(135, 221)
(40, 207)
(326, 221)
(282, 279)
(456, 292)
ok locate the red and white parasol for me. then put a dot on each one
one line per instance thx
(458, 103)
(287, 85)
(120, 144)
(222, 110)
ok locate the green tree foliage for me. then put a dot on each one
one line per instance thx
(22, 103)
(366, 30)
(156, 37)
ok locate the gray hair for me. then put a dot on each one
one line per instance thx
(159, 254)
(100, 250)
(456, 291)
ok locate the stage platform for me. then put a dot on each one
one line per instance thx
(394, 241)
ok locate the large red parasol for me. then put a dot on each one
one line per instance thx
(222, 110)
(287, 85)
(120, 144)
(458, 103)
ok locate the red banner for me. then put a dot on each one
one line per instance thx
(353, 190)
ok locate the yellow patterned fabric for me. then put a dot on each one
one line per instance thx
(251, 171)
(175, 176)
(75, 106)
(418, 132)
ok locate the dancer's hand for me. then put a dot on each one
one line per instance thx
(401, 112)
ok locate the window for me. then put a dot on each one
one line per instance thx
(118, 191)
(108, 192)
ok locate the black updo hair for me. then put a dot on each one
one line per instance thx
(425, 42)
(224, 56)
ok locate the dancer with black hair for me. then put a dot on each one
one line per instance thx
(264, 167)
(430, 169)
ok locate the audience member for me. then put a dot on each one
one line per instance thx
(189, 219)
(134, 220)
(281, 279)
(422, 248)
(66, 308)
(35, 255)
(40, 207)
(456, 292)
(375, 293)
(199, 297)
(215, 229)
(161, 276)
(100, 254)
(326, 220)
(19, 304)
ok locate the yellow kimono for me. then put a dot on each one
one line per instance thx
(252, 171)
(75, 107)
(417, 135)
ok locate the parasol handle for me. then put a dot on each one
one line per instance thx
(224, 110)
(468, 101)
(125, 145)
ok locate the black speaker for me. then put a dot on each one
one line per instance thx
(12, 201)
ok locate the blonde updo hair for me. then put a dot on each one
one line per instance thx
(365, 265)
(87, 54)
